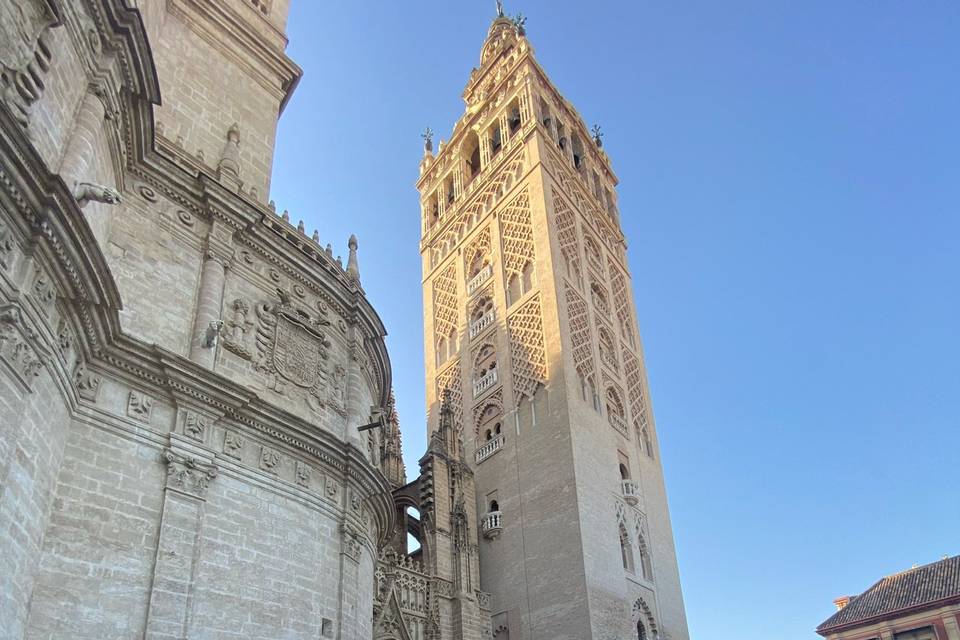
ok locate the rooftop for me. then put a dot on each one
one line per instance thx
(900, 592)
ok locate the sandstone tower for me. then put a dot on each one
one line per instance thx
(530, 332)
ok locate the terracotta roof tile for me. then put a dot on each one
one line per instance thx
(912, 588)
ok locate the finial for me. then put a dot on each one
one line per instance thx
(499, 8)
(273, 206)
(427, 136)
(286, 216)
(597, 135)
(316, 236)
(353, 268)
(229, 163)
(520, 24)
(301, 228)
(329, 250)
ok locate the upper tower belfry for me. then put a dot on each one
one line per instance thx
(531, 335)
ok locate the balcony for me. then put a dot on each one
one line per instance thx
(617, 422)
(477, 281)
(631, 492)
(491, 525)
(485, 382)
(489, 448)
(481, 323)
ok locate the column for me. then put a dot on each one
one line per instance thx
(188, 477)
(209, 303)
(504, 131)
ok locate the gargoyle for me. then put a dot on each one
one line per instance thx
(86, 192)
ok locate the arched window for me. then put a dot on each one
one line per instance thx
(614, 404)
(451, 189)
(471, 154)
(485, 361)
(593, 254)
(495, 138)
(513, 116)
(600, 300)
(452, 342)
(441, 351)
(561, 135)
(624, 472)
(608, 354)
(527, 277)
(578, 156)
(646, 567)
(641, 631)
(626, 553)
(514, 289)
(494, 506)
(589, 392)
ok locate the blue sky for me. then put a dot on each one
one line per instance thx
(790, 185)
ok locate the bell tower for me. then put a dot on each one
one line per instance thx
(531, 335)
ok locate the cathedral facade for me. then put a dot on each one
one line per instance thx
(198, 437)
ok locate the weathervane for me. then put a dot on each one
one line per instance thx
(597, 135)
(499, 8)
(427, 136)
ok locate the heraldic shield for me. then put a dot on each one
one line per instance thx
(296, 352)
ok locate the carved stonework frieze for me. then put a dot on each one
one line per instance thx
(195, 425)
(188, 474)
(483, 599)
(44, 290)
(64, 337)
(18, 345)
(269, 459)
(351, 543)
(7, 245)
(356, 501)
(233, 444)
(443, 588)
(333, 488)
(139, 406)
(304, 473)
(87, 383)
(293, 351)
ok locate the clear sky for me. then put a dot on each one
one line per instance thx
(790, 192)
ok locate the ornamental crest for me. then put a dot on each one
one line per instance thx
(293, 349)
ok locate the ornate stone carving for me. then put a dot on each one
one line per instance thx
(483, 599)
(188, 474)
(7, 244)
(25, 52)
(635, 392)
(269, 459)
(448, 382)
(304, 473)
(566, 226)
(527, 356)
(333, 488)
(516, 233)
(445, 305)
(44, 290)
(87, 383)
(86, 192)
(578, 317)
(18, 345)
(64, 336)
(236, 328)
(195, 425)
(233, 444)
(356, 501)
(139, 406)
(292, 348)
(351, 542)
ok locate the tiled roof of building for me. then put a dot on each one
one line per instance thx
(905, 590)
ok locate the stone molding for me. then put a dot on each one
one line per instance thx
(188, 474)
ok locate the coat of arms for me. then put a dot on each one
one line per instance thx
(293, 349)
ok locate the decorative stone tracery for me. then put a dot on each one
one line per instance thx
(566, 226)
(578, 317)
(528, 359)
(516, 234)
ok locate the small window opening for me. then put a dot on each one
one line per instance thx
(624, 472)
(577, 152)
(496, 140)
(494, 506)
(513, 117)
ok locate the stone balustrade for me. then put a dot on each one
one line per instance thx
(630, 490)
(491, 525)
(481, 323)
(489, 448)
(485, 381)
(477, 281)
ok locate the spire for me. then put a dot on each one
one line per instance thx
(353, 269)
